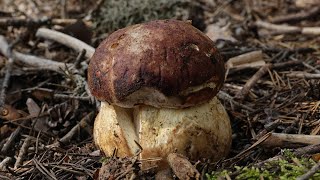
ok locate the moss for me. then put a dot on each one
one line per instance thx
(116, 14)
(287, 168)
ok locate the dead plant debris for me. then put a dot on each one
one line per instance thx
(271, 92)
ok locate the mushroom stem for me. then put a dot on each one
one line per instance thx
(202, 131)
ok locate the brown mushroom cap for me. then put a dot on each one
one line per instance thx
(163, 63)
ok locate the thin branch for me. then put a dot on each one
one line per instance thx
(226, 97)
(84, 123)
(22, 152)
(310, 173)
(304, 75)
(4, 163)
(11, 140)
(252, 81)
(6, 80)
(297, 16)
(290, 140)
(284, 29)
(66, 40)
(33, 61)
(18, 22)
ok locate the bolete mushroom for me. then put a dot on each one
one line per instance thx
(157, 82)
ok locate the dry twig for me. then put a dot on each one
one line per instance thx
(226, 97)
(83, 124)
(284, 29)
(310, 149)
(17, 22)
(310, 173)
(22, 152)
(252, 81)
(33, 61)
(290, 140)
(4, 163)
(11, 140)
(66, 40)
(297, 16)
(304, 75)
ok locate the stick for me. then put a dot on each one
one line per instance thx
(22, 152)
(245, 58)
(10, 140)
(304, 75)
(299, 152)
(252, 81)
(18, 22)
(226, 97)
(41, 63)
(311, 149)
(73, 43)
(278, 28)
(6, 80)
(296, 16)
(84, 123)
(285, 29)
(4, 163)
(310, 173)
(288, 140)
(66, 40)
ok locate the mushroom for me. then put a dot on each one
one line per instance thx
(157, 83)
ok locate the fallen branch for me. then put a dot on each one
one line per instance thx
(299, 152)
(73, 43)
(252, 59)
(285, 29)
(33, 61)
(18, 22)
(307, 65)
(226, 97)
(261, 72)
(297, 16)
(22, 152)
(4, 163)
(66, 40)
(306, 3)
(278, 28)
(83, 124)
(290, 140)
(252, 81)
(6, 80)
(304, 75)
(310, 173)
(11, 139)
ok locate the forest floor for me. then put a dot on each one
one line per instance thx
(271, 93)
